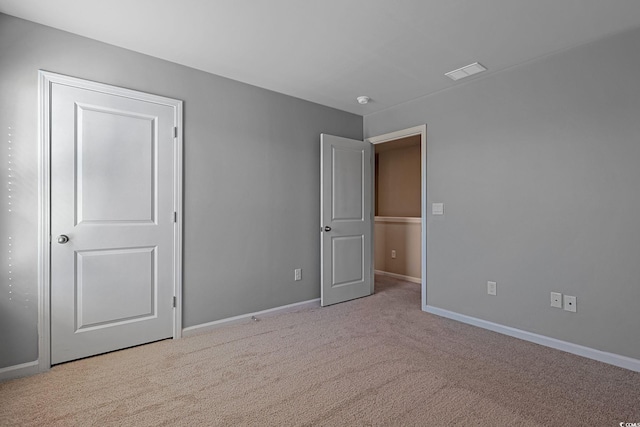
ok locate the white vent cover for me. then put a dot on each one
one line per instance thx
(466, 71)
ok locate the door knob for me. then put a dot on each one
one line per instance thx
(327, 228)
(62, 239)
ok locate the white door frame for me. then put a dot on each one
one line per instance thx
(45, 80)
(422, 131)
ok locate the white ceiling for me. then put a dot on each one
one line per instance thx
(331, 51)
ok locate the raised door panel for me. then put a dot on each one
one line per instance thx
(115, 173)
(114, 287)
(348, 187)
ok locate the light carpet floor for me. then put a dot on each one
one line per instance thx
(378, 360)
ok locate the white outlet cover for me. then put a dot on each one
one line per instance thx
(570, 303)
(556, 299)
(437, 208)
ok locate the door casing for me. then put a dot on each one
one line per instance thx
(422, 131)
(45, 80)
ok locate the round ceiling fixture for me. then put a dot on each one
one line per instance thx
(363, 100)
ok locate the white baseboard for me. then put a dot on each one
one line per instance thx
(399, 276)
(205, 327)
(17, 371)
(590, 353)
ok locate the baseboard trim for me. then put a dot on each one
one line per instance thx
(399, 276)
(205, 327)
(17, 371)
(590, 353)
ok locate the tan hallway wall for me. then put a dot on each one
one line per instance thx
(397, 226)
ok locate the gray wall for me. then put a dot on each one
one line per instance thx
(251, 179)
(539, 170)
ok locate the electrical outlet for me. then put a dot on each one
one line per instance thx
(570, 303)
(297, 274)
(393, 253)
(492, 288)
(556, 299)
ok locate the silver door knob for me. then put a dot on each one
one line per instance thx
(62, 239)
(327, 228)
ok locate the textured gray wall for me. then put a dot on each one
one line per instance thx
(539, 170)
(251, 185)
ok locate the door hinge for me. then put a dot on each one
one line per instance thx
(174, 302)
(175, 131)
(175, 216)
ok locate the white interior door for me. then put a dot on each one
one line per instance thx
(112, 219)
(346, 219)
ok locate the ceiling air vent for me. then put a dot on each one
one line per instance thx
(466, 71)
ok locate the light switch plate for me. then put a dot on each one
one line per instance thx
(492, 288)
(437, 208)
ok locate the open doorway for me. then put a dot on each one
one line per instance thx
(397, 228)
(400, 205)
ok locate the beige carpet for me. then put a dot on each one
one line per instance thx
(374, 361)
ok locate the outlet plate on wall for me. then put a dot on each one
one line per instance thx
(556, 299)
(297, 274)
(570, 303)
